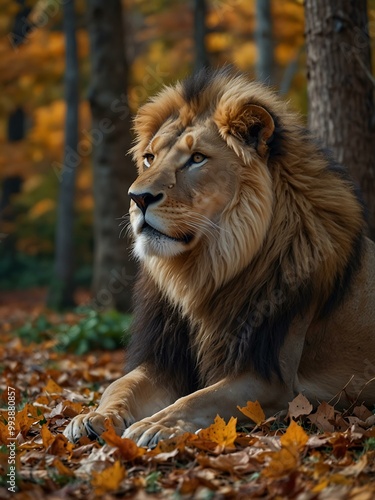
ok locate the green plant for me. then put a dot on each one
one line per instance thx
(95, 330)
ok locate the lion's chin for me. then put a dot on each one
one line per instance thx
(151, 242)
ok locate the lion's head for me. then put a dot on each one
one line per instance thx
(204, 184)
(236, 206)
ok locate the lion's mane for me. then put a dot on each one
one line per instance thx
(213, 312)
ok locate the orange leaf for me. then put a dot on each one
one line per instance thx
(24, 421)
(52, 387)
(253, 411)
(60, 446)
(3, 433)
(47, 436)
(128, 449)
(295, 437)
(62, 469)
(109, 479)
(282, 462)
(220, 432)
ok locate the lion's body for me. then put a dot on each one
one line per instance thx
(257, 281)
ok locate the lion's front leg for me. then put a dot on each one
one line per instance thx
(198, 410)
(131, 398)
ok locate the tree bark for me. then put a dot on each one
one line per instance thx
(340, 87)
(114, 270)
(264, 41)
(200, 31)
(62, 286)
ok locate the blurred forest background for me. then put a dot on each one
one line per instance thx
(72, 75)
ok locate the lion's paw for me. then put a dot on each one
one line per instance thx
(147, 433)
(93, 425)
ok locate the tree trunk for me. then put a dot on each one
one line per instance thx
(340, 87)
(62, 286)
(264, 41)
(200, 31)
(114, 270)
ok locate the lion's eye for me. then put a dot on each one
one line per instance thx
(197, 160)
(148, 158)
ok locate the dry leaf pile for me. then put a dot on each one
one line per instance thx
(308, 454)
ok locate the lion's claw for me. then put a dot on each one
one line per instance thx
(92, 425)
(147, 433)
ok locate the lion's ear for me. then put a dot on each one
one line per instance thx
(251, 124)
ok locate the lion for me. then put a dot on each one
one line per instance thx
(257, 280)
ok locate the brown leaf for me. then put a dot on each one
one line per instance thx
(232, 462)
(299, 406)
(254, 411)
(324, 414)
(362, 412)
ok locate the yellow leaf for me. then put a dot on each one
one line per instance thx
(109, 479)
(254, 411)
(295, 437)
(220, 432)
(41, 208)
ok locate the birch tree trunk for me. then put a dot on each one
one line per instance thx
(62, 285)
(340, 88)
(114, 270)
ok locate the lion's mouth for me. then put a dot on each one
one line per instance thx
(151, 231)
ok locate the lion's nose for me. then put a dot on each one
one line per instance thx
(143, 200)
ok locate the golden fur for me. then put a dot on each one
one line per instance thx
(254, 264)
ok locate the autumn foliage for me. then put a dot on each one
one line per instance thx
(317, 452)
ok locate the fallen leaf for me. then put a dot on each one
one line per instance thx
(109, 479)
(232, 462)
(299, 406)
(128, 449)
(24, 421)
(47, 436)
(322, 417)
(220, 432)
(60, 446)
(362, 412)
(254, 411)
(52, 387)
(62, 469)
(282, 462)
(295, 437)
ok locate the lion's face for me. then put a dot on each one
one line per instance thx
(187, 182)
(204, 193)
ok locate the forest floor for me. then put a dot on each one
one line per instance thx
(310, 454)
